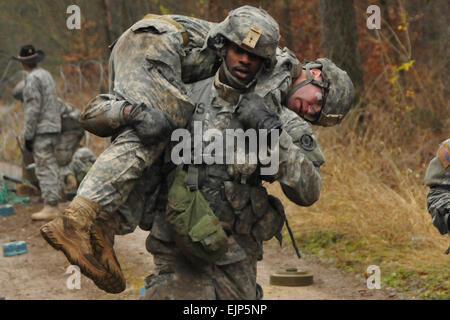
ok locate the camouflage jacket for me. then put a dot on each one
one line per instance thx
(300, 155)
(437, 178)
(234, 191)
(130, 82)
(42, 109)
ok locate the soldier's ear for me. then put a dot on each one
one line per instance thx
(316, 74)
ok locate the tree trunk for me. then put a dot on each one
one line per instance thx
(339, 38)
(287, 23)
(109, 29)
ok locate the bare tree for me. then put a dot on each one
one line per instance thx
(339, 38)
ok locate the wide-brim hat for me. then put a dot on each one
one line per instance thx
(29, 55)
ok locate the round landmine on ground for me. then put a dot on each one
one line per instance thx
(291, 277)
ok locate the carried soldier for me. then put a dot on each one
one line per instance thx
(109, 203)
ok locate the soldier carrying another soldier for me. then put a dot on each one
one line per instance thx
(109, 204)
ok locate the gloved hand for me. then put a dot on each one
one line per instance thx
(151, 124)
(253, 113)
(29, 145)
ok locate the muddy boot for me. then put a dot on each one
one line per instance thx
(70, 233)
(102, 240)
(48, 213)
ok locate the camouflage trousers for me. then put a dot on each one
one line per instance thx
(175, 278)
(47, 169)
(67, 143)
(124, 179)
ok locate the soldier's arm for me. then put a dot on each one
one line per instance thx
(300, 158)
(32, 107)
(437, 178)
(103, 115)
(438, 203)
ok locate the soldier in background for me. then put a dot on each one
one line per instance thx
(67, 142)
(42, 128)
(437, 177)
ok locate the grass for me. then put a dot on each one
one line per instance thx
(372, 208)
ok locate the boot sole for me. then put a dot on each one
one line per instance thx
(88, 265)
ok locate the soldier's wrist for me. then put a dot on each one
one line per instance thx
(126, 112)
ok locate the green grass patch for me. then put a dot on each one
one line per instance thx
(422, 281)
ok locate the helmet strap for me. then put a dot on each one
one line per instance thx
(235, 82)
(309, 79)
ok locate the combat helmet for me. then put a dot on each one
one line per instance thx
(337, 88)
(252, 29)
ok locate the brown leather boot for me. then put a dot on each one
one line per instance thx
(102, 240)
(71, 233)
(47, 213)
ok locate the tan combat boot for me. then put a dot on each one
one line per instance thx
(71, 233)
(47, 213)
(102, 240)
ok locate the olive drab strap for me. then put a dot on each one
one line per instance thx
(191, 178)
(322, 84)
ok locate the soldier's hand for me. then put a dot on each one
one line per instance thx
(151, 124)
(253, 113)
(29, 145)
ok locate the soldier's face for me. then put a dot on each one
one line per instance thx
(307, 101)
(242, 64)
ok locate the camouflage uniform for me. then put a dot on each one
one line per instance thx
(81, 162)
(70, 137)
(246, 212)
(71, 132)
(438, 179)
(43, 126)
(148, 64)
(103, 115)
(235, 194)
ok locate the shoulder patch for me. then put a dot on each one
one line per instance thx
(444, 155)
(307, 142)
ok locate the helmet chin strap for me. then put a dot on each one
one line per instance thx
(235, 82)
(309, 79)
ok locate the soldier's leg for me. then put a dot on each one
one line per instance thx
(237, 281)
(67, 144)
(47, 172)
(175, 278)
(105, 188)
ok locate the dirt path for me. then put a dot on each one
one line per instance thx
(40, 274)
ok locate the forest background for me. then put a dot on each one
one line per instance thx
(372, 209)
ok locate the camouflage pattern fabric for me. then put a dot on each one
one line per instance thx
(122, 175)
(102, 115)
(157, 45)
(242, 211)
(47, 169)
(42, 110)
(437, 177)
(81, 162)
(43, 125)
(175, 278)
